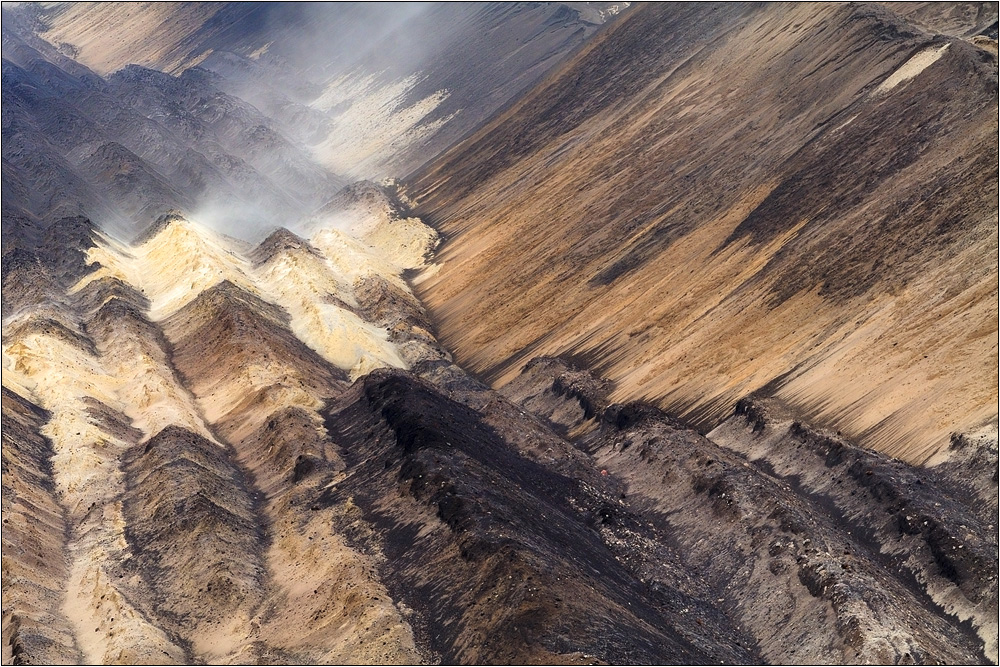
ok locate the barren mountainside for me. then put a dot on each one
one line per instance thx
(521, 333)
(709, 202)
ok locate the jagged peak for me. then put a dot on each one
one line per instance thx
(72, 228)
(182, 441)
(116, 152)
(161, 225)
(27, 283)
(280, 241)
(115, 309)
(624, 416)
(227, 297)
(200, 75)
(94, 294)
(362, 194)
(603, 531)
(20, 259)
(178, 233)
(139, 73)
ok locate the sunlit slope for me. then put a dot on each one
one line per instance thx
(92, 33)
(181, 259)
(94, 395)
(163, 376)
(712, 201)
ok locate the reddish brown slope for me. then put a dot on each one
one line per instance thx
(715, 200)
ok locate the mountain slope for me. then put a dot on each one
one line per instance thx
(818, 224)
(228, 495)
(231, 434)
(128, 148)
(397, 85)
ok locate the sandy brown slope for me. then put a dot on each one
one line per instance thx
(715, 200)
(92, 32)
(35, 562)
(222, 494)
(171, 538)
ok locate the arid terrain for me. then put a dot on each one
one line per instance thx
(816, 225)
(544, 333)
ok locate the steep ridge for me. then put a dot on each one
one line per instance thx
(818, 224)
(793, 537)
(232, 497)
(539, 582)
(93, 397)
(35, 561)
(189, 509)
(180, 260)
(64, 372)
(140, 142)
(397, 85)
(155, 361)
(24, 281)
(938, 524)
(811, 567)
(961, 19)
(262, 388)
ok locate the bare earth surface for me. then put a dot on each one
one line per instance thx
(720, 282)
(799, 202)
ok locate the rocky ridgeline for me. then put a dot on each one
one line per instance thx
(418, 512)
(790, 523)
(177, 449)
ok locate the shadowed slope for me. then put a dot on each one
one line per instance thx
(452, 500)
(375, 90)
(815, 547)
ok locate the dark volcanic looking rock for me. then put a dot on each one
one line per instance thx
(450, 500)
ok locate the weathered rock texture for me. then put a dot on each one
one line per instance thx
(715, 200)
(771, 221)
